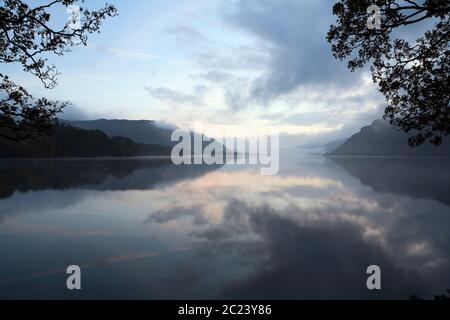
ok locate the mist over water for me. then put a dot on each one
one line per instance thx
(145, 228)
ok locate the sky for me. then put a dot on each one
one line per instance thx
(229, 66)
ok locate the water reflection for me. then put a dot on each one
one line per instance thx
(77, 177)
(421, 178)
(159, 231)
(104, 174)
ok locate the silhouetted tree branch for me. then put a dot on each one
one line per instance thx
(27, 36)
(414, 77)
(21, 116)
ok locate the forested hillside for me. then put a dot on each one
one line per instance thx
(67, 141)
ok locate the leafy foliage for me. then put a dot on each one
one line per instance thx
(414, 77)
(27, 36)
(21, 116)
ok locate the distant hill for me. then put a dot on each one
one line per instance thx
(68, 141)
(382, 139)
(141, 131)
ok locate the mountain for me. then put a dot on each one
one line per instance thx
(140, 131)
(333, 145)
(68, 141)
(382, 139)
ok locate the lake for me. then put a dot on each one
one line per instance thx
(145, 228)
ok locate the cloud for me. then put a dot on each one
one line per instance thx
(172, 96)
(284, 55)
(272, 57)
(73, 112)
(348, 124)
(239, 60)
(294, 34)
(135, 55)
(215, 76)
(187, 36)
(236, 94)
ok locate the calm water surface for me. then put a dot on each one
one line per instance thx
(144, 228)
